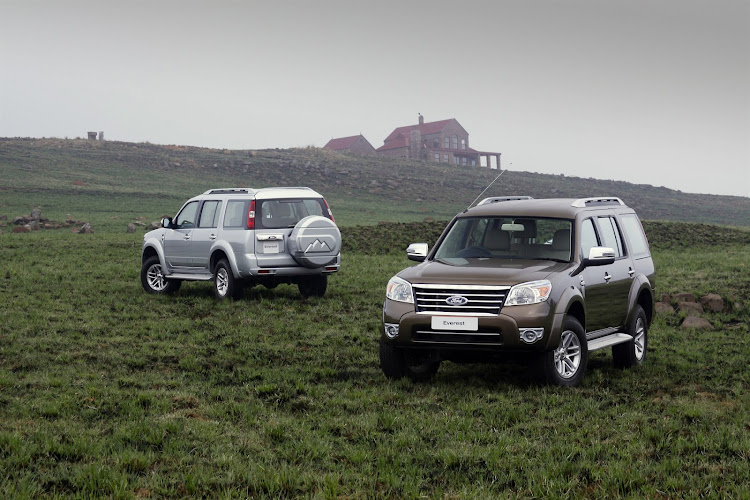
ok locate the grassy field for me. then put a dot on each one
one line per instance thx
(108, 391)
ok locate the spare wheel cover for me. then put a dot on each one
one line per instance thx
(315, 241)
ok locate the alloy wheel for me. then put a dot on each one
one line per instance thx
(640, 339)
(155, 278)
(222, 281)
(568, 355)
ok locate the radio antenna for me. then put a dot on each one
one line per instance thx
(485, 189)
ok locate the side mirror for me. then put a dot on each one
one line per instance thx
(166, 222)
(599, 256)
(417, 251)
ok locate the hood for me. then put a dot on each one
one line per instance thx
(482, 271)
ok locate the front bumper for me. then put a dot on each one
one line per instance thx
(500, 332)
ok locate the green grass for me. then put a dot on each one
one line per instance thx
(108, 391)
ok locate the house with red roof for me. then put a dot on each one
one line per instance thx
(354, 144)
(444, 141)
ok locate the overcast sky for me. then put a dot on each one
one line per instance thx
(647, 91)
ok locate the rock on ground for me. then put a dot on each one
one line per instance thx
(696, 323)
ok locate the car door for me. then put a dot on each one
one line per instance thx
(178, 238)
(204, 235)
(607, 287)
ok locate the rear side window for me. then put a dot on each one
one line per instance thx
(210, 214)
(236, 214)
(636, 238)
(611, 235)
(277, 214)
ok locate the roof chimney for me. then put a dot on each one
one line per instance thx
(421, 119)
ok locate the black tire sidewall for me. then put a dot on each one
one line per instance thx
(623, 354)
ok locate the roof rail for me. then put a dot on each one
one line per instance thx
(496, 199)
(597, 201)
(230, 191)
(289, 187)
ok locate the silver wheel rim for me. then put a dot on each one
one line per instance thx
(222, 281)
(640, 339)
(155, 278)
(568, 355)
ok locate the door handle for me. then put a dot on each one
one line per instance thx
(186, 237)
(631, 272)
(607, 277)
(212, 237)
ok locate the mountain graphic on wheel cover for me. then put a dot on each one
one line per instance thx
(315, 242)
(317, 246)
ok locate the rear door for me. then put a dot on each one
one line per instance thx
(274, 221)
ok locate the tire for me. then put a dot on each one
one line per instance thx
(225, 284)
(633, 352)
(152, 279)
(314, 286)
(397, 363)
(566, 365)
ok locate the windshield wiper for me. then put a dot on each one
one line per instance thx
(553, 259)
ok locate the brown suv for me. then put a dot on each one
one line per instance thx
(554, 279)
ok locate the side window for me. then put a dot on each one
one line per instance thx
(588, 238)
(611, 235)
(186, 217)
(634, 231)
(210, 214)
(236, 214)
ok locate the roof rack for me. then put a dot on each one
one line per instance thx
(496, 199)
(230, 191)
(600, 201)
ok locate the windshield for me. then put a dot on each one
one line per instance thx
(507, 238)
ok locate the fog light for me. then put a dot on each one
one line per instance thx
(531, 335)
(391, 330)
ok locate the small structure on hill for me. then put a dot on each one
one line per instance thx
(353, 144)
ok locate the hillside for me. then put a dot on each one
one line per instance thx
(128, 179)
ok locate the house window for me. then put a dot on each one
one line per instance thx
(447, 143)
(473, 163)
(463, 143)
(455, 160)
(445, 157)
(436, 142)
(463, 161)
(455, 142)
(437, 157)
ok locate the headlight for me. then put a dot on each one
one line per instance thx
(532, 292)
(399, 290)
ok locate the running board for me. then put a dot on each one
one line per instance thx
(608, 341)
(189, 276)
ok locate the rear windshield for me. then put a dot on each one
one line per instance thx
(507, 238)
(276, 214)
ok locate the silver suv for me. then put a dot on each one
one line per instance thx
(238, 237)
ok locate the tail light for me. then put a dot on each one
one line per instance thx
(330, 214)
(251, 215)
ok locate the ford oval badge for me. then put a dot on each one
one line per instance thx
(456, 300)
